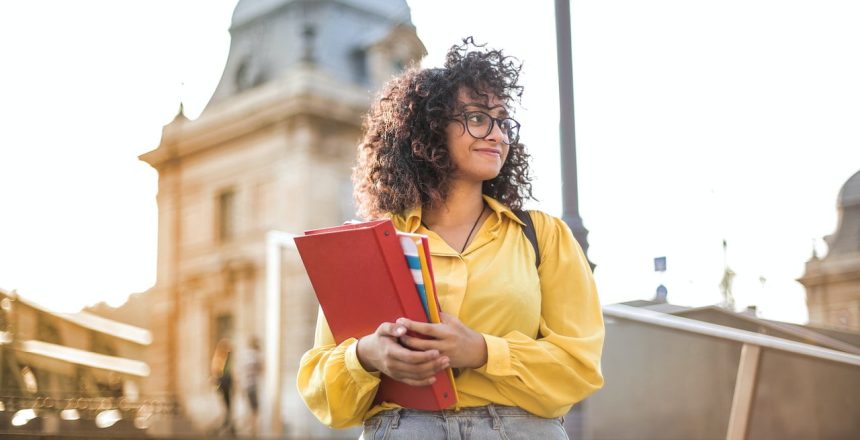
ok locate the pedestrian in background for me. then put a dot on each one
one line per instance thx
(252, 368)
(222, 377)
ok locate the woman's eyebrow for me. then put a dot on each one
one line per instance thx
(485, 107)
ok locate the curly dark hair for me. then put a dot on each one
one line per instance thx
(403, 159)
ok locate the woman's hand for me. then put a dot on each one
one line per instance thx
(464, 347)
(381, 351)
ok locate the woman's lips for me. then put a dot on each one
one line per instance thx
(489, 151)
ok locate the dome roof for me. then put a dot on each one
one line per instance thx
(849, 195)
(269, 38)
(846, 239)
(247, 10)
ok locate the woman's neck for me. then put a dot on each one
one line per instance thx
(462, 205)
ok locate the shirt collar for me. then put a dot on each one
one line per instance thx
(410, 221)
(501, 210)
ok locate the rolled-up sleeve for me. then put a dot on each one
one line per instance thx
(332, 382)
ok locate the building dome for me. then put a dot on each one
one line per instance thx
(849, 195)
(247, 10)
(846, 239)
(270, 38)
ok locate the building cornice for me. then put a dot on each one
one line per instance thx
(833, 268)
(304, 91)
(89, 321)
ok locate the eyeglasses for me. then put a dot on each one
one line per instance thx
(480, 125)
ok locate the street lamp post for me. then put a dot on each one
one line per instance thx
(569, 192)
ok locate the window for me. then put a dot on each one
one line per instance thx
(47, 330)
(223, 328)
(358, 60)
(226, 216)
(102, 344)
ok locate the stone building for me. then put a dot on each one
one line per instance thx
(71, 373)
(833, 282)
(273, 150)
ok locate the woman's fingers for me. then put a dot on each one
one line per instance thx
(417, 362)
(420, 343)
(371, 349)
(396, 352)
(424, 328)
(402, 363)
(463, 346)
(411, 371)
(400, 370)
(407, 356)
(391, 329)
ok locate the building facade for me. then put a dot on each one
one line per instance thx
(73, 373)
(272, 151)
(833, 282)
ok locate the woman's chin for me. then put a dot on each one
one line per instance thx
(478, 175)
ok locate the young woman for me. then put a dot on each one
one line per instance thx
(441, 156)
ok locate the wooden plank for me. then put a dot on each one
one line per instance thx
(744, 392)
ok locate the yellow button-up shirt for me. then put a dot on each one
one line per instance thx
(543, 328)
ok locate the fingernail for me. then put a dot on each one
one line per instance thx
(401, 321)
(432, 380)
(399, 331)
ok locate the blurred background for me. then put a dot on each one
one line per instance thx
(156, 155)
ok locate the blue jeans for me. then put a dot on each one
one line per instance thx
(478, 423)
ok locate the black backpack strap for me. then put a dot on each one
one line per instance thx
(529, 230)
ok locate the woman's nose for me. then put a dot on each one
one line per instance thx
(496, 134)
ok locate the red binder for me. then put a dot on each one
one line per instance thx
(361, 279)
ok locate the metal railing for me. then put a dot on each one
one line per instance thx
(752, 345)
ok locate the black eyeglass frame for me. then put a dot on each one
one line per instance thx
(493, 121)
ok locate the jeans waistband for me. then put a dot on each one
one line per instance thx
(491, 410)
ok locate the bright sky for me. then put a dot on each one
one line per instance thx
(696, 122)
